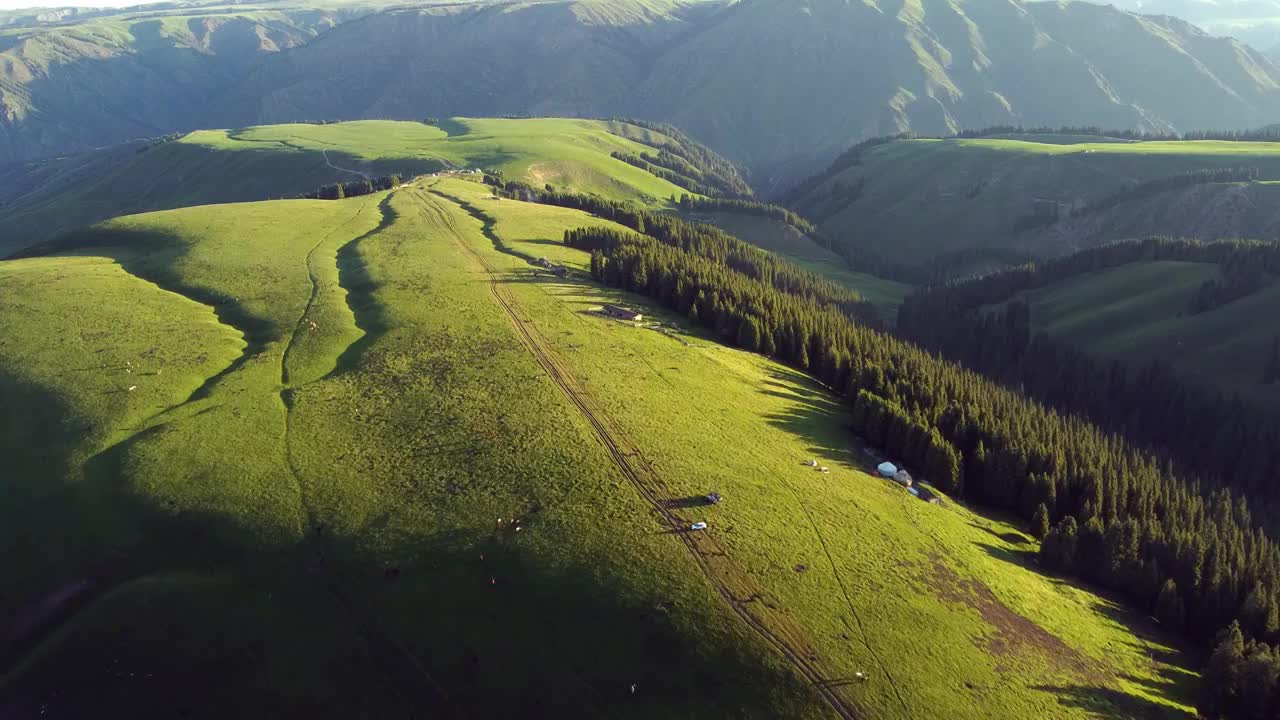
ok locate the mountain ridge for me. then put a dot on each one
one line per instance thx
(776, 86)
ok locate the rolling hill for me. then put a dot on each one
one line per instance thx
(45, 198)
(776, 85)
(1140, 313)
(969, 204)
(362, 457)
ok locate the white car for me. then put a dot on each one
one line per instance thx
(698, 526)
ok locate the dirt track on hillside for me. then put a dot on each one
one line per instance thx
(733, 585)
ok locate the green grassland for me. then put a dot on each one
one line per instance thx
(259, 163)
(926, 198)
(374, 460)
(1138, 313)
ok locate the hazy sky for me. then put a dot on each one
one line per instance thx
(15, 4)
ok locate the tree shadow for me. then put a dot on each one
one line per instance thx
(1108, 703)
(1013, 538)
(1022, 558)
(814, 416)
(696, 501)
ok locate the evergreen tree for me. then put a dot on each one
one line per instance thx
(1169, 610)
(1220, 682)
(1040, 522)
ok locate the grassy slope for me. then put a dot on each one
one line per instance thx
(292, 497)
(280, 160)
(1137, 313)
(854, 534)
(923, 198)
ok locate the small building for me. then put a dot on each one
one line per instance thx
(887, 469)
(622, 313)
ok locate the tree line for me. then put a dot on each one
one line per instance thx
(645, 162)
(1150, 188)
(1110, 511)
(1239, 277)
(858, 259)
(717, 170)
(753, 207)
(353, 188)
(710, 242)
(1226, 443)
(1145, 522)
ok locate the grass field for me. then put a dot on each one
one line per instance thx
(1138, 313)
(260, 163)
(373, 462)
(925, 198)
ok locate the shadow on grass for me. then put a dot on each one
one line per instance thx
(1013, 538)
(1108, 703)
(196, 614)
(814, 415)
(151, 255)
(452, 127)
(355, 278)
(1022, 558)
(695, 501)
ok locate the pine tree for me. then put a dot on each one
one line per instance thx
(1220, 683)
(1169, 608)
(1040, 522)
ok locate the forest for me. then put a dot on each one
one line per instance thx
(1218, 437)
(1132, 518)
(353, 188)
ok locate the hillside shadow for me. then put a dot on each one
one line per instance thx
(452, 127)
(1107, 703)
(355, 277)
(150, 255)
(464, 622)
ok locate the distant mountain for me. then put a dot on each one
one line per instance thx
(777, 85)
(1256, 22)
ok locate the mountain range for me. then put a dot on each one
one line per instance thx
(778, 86)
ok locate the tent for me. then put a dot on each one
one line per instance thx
(888, 469)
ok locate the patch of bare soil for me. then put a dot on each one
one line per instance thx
(1013, 634)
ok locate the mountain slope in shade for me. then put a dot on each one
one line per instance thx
(969, 203)
(778, 85)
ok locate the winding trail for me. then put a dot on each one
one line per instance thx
(407, 672)
(734, 586)
(315, 286)
(325, 154)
